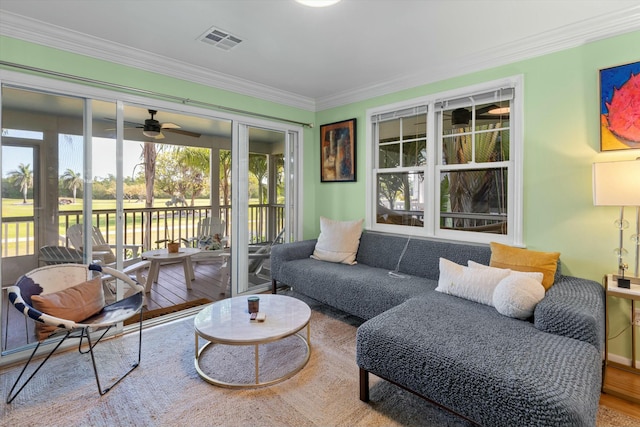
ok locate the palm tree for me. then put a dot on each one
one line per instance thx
(23, 178)
(195, 160)
(149, 154)
(225, 176)
(259, 168)
(73, 181)
(475, 190)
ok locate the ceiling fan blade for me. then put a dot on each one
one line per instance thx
(182, 132)
(159, 136)
(125, 128)
(126, 123)
(486, 108)
(169, 126)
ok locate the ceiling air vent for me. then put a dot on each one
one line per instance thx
(220, 38)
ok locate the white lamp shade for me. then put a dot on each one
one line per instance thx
(616, 183)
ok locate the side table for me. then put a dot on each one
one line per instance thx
(160, 256)
(622, 387)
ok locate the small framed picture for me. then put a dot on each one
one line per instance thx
(338, 151)
(619, 85)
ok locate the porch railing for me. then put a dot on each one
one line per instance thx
(265, 221)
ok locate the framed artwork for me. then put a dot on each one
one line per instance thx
(620, 107)
(338, 151)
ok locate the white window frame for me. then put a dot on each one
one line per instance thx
(431, 196)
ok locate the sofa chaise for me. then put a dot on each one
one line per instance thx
(491, 369)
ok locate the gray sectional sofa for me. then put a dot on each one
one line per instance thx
(488, 368)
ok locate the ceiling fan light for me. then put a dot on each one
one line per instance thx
(499, 110)
(150, 133)
(318, 3)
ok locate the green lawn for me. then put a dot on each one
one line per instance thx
(25, 230)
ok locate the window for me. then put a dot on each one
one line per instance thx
(448, 165)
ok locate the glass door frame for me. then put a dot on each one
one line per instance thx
(293, 158)
(240, 199)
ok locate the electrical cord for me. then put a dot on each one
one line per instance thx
(395, 273)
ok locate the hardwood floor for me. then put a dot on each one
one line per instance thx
(622, 391)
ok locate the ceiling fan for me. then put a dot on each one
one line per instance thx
(462, 116)
(153, 128)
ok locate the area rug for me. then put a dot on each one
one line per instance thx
(152, 314)
(167, 391)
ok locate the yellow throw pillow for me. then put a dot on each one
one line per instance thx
(76, 303)
(519, 259)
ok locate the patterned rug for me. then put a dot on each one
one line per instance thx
(165, 390)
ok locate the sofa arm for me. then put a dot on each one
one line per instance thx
(280, 254)
(574, 308)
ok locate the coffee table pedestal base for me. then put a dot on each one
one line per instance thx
(200, 351)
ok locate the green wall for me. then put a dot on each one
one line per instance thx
(561, 142)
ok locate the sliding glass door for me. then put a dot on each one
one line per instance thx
(265, 197)
(138, 173)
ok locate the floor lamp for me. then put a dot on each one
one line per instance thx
(618, 184)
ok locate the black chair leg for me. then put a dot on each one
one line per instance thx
(11, 395)
(93, 359)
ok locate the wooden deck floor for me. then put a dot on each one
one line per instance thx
(170, 290)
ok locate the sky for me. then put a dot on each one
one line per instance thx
(104, 158)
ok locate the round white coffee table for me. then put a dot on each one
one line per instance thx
(227, 322)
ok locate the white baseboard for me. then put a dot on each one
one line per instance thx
(621, 360)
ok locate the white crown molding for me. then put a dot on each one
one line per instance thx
(570, 36)
(567, 37)
(31, 30)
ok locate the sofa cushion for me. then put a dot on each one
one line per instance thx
(360, 290)
(380, 250)
(503, 256)
(338, 241)
(475, 284)
(517, 296)
(422, 257)
(492, 369)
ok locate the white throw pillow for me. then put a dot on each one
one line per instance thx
(475, 284)
(517, 296)
(532, 274)
(338, 241)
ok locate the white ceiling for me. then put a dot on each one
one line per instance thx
(317, 58)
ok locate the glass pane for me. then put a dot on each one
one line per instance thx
(401, 198)
(456, 121)
(265, 213)
(474, 200)
(492, 115)
(389, 156)
(415, 153)
(18, 178)
(414, 127)
(456, 149)
(389, 131)
(492, 146)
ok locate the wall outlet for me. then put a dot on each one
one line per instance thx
(636, 317)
